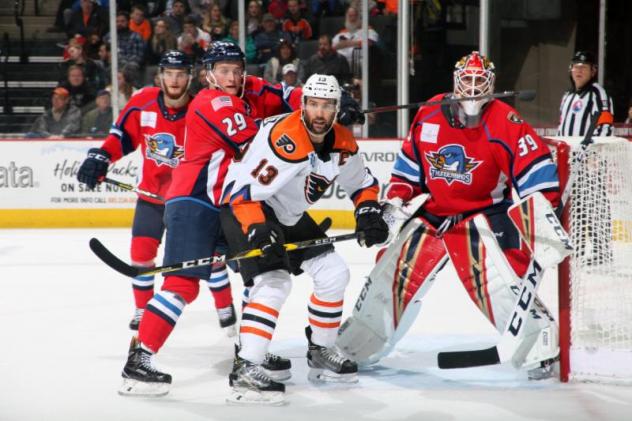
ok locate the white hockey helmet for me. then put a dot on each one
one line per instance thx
(322, 86)
(474, 76)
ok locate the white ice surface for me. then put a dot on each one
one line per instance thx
(64, 339)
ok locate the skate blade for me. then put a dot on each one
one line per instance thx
(278, 375)
(320, 375)
(133, 387)
(246, 397)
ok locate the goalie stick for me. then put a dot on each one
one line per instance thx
(132, 271)
(511, 336)
(131, 188)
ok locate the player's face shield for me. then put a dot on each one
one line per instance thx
(228, 76)
(473, 77)
(319, 115)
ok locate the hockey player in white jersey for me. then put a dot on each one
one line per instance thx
(289, 165)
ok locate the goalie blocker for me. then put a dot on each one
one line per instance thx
(490, 256)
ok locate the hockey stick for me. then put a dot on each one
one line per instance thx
(132, 271)
(134, 189)
(526, 95)
(512, 334)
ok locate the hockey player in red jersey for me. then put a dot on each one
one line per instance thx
(467, 156)
(288, 166)
(153, 120)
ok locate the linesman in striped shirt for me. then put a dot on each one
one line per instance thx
(585, 98)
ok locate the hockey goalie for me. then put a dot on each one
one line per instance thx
(470, 158)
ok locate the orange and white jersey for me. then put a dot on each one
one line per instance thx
(281, 168)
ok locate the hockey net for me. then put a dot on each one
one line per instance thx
(595, 283)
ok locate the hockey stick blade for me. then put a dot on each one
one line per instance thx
(464, 359)
(128, 270)
(111, 260)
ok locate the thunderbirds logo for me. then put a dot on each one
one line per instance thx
(162, 148)
(451, 164)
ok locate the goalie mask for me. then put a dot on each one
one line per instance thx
(321, 87)
(473, 77)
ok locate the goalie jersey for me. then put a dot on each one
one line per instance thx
(468, 170)
(282, 168)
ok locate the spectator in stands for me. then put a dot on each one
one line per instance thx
(99, 120)
(390, 7)
(193, 41)
(215, 23)
(161, 41)
(277, 8)
(295, 24)
(233, 36)
(199, 82)
(350, 37)
(285, 55)
(326, 61)
(176, 16)
(138, 23)
(254, 18)
(105, 61)
(92, 45)
(328, 7)
(125, 87)
(91, 18)
(268, 40)
(131, 48)
(199, 8)
(62, 119)
(290, 76)
(76, 57)
(82, 94)
(628, 119)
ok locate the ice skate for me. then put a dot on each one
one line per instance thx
(228, 320)
(548, 369)
(328, 364)
(135, 322)
(277, 367)
(251, 385)
(140, 377)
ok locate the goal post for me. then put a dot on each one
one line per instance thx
(595, 282)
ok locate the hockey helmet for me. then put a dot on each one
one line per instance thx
(474, 76)
(175, 59)
(322, 86)
(223, 51)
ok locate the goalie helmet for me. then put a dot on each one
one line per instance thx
(474, 76)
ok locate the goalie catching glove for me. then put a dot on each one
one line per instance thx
(94, 169)
(370, 225)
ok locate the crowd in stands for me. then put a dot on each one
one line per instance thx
(275, 30)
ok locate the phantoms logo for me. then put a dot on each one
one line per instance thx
(451, 164)
(16, 177)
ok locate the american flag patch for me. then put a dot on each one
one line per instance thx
(221, 102)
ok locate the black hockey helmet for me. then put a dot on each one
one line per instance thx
(175, 59)
(223, 51)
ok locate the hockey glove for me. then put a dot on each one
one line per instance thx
(94, 168)
(270, 240)
(370, 225)
(350, 111)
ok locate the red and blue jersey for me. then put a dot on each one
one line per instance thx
(147, 122)
(472, 169)
(218, 126)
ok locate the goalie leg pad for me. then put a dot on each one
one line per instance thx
(391, 297)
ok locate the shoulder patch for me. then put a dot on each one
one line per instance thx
(514, 118)
(289, 139)
(221, 102)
